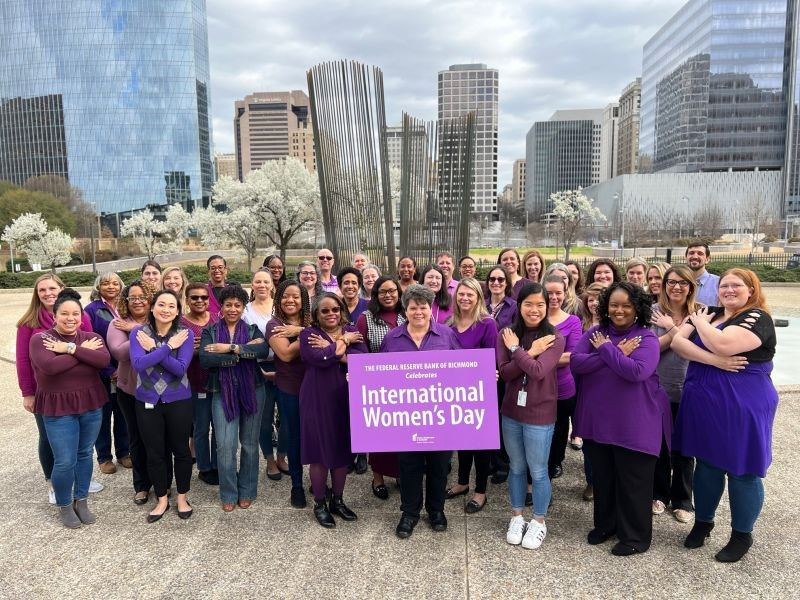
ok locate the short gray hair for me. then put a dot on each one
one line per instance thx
(102, 278)
(419, 294)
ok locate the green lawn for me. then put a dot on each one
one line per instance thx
(486, 253)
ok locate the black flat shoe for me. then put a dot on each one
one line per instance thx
(185, 514)
(323, 515)
(558, 471)
(736, 547)
(380, 491)
(141, 501)
(274, 476)
(621, 549)
(438, 521)
(473, 507)
(153, 518)
(450, 494)
(597, 536)
(361, 464)
(339, 508)
(405, 527)
(298, 498)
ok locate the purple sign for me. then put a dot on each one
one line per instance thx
(407, 401)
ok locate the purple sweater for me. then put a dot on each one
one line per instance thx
(572, 330)
(161, 365)
(620, 401)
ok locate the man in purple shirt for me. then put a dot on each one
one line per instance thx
(328, 280)
(421, 333)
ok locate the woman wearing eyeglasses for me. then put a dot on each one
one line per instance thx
(274, 265)
(198, 317)
(324, 409)
(309, 276)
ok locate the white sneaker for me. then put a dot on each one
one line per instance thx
(658, 507)
(535, 535)
(95, 486)
(51, 495)
(516, 528)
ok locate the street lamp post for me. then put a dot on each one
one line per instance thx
(620, 200)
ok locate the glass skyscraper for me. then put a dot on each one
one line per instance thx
(110, 94)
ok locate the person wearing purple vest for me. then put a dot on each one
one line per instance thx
(161, 352)
(622, 415)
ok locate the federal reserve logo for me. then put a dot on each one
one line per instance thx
(422, 439)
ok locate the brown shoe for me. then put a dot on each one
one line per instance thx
(108, 467)
(126, 462)
(228, 506)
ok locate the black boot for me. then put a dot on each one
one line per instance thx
(323, 515)
(736, 547)
(697, 536)
(338, 507)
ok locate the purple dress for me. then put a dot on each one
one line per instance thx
(726, 418)
(324, 407)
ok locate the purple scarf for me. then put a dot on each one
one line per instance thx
(237, 382)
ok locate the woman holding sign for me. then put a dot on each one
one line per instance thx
(474, 328)
(324, 412)
(421, 333)
(528, 355)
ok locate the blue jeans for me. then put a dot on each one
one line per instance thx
(72, 439)
(289, 407)
(528, 448)
(243, 430)
(745, 494)
(121, 441)
(205, 454)
(265, 437)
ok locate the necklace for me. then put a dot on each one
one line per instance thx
(61, 336)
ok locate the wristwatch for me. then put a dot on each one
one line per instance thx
(234, 347)
(513, 348)
(71, 347)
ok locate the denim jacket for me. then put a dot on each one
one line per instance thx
(213, 361)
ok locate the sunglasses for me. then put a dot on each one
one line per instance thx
(497, 279)
(198, 298)
(333, 310)
(325, 258)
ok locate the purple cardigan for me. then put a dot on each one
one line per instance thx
(620, 401)
(161, 364)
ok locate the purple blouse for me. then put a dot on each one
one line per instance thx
(504, 313)
(439, 337)
(572, 330)
(620, 401)
(482, 334)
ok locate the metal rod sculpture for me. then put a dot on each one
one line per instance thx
(436, 188)
(349, 121)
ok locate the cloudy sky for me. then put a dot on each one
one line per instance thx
(551, 54)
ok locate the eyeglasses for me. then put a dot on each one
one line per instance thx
(198, 298)
(222, 268)
(390, 292)
(275, 267)
(333, 310)
(324, 258)
(137, 298)
(682, 283)
(497, 279)
(307, 273)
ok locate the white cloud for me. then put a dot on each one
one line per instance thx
(551, 54)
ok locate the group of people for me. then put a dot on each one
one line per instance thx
(662, 371)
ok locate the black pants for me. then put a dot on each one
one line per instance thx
(165, 430)
(673, 477)
(558, 446)
(141, 478)
(413, 467)
(499, 458)
(481, 459)
(623, 482)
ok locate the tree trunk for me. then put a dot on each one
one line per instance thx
(566, 252)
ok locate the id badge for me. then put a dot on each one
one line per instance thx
(522, 398)
(201, 395)
(149, 406)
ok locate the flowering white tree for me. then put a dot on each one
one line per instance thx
(274, 202)
(49, 247)
(574, 211)
(157, 237)
(143, 227)
(175, 229)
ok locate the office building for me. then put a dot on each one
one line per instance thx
(630, 102)
(301, 147)
(518, 183)
(394, 146)
(609, 148)
(111, 96)
(562, 153)
(266, 127)
(225, 164)
(474, 88)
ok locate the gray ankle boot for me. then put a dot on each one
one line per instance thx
(68, 517)
(84, 514)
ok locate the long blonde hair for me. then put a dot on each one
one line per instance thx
(479, 313)
(686, 273)
(31, 316)
(593, 289)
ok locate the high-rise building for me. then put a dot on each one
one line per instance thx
(562, 153)
(225, 165)
(518, 183)
(609, 134)
(628, 139)
(474, 87)
(266, 126)
(111, 96)
(394, 146)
